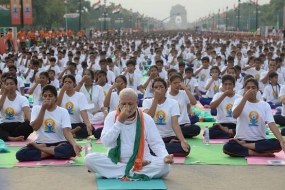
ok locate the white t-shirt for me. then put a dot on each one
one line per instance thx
(271, 93)
(191, 84)
(95, 98)
(114, 101)
(163, 114)
(51, 130)
(37, 95)
(149, 91)
(214, 88)
(251, 122)
(74, 104)
(55, 83)
(182, 100)
(282, 93)
(224, 110)
(12, 110)
(106, 88)
(203, 76)
(134, 81)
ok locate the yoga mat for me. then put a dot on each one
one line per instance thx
(179, 160)
(210, 154)
(104, 184)
(8, 160)
(98, 126)
(214, 141)
(98, 141)
(31, 138)
(279, 159)
(45, 162)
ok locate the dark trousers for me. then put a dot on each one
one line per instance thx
(23, 44)
(10, 45)
(273, 106)
(190, 130)
(234, 149)
(217, 133)
(30, 153)
(174, 148)
(15, 130)
(81, 134)
(205, 101)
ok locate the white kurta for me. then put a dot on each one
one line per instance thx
(101, 164)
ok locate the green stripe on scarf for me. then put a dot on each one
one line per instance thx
(115, 153)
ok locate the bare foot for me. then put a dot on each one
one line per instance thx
(174, 141)
(75, 130)
(145, 162)
(60, 144)
(19, 138)
(262, 154)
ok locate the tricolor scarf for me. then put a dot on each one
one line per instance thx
(138, 151)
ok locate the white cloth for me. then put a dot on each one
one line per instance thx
(163, 114)
(224, 110)
(251, 122)
(12, 111)
(51, 130)
(101, 164)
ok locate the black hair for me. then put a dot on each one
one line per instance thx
(13, 79)
(230, 78)
(175, 76)
(189, 69)
(181, 64)
(251, 80)
(215, 68)
(159, 61)
(91, 73)
(52, 59)
(158, 79)
(205, 59)
(123, 77)
(271, 75)
(131, 62)
(51, 70)
(50, 88)
(70, 77)
(13, 67)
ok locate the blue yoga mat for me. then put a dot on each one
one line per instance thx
(105, 184)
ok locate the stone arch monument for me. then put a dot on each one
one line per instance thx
(178, 18)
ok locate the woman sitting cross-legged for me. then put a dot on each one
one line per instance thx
(76, 105)
(165, 112)
(53, 131)
(13, 106)
(252, 114)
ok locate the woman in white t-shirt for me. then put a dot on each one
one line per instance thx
(53, 131)
(252, 116)
(223, 102)
(112, 98)
(76, 105)
(184, 98)
(36, 89)
(165, 112)
(280, 118)
(95, 97)
(271, 91)
(13, 106)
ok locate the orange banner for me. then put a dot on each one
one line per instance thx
(15, 12)
(28, 13)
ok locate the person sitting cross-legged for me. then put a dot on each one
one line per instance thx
(130, 134)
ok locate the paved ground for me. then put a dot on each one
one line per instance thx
(182, 177)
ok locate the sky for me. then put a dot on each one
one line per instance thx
(160, 9)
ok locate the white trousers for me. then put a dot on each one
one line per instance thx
(101, 164)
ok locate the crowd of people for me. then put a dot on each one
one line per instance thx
(142, 88)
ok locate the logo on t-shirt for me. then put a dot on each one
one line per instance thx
(275, 95)
(229, 112)
(216, 89)
(203, 77)
(189, 87)
(131, 81)
(40, 99)
(257, 77)
(70, 108)
(253, 119)
(105, 93)
(9, 113)
(49, 125)
(160, 117)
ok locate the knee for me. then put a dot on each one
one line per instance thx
(90, 161)
(228, 149)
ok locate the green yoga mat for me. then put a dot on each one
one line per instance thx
(8, 160)
(108, 184)
(210, 154)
